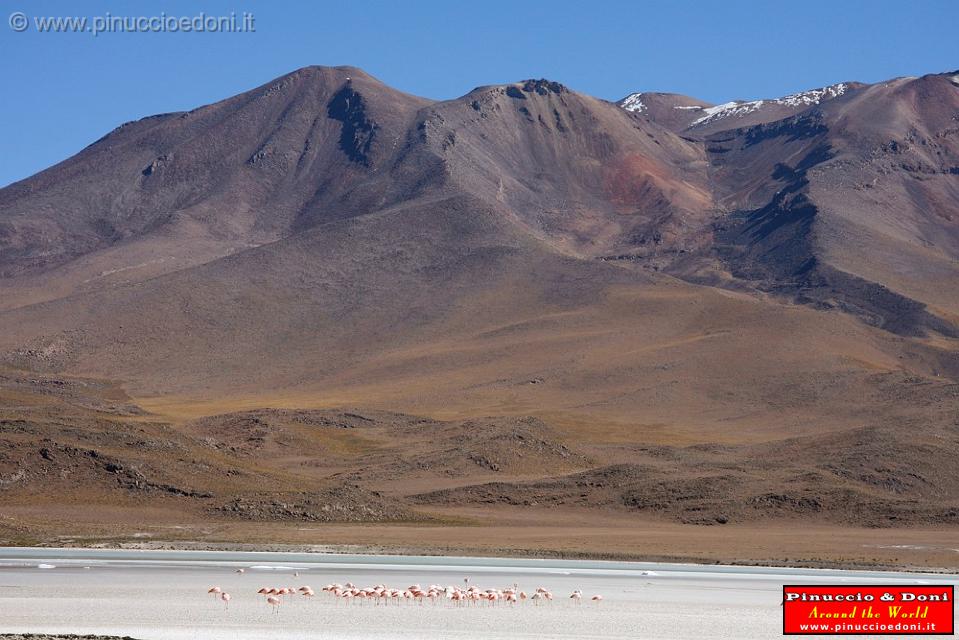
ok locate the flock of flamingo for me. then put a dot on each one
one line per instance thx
(413, 594)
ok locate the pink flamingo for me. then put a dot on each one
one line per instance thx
(225, 597)
(577, 597)
(596, 598)
(274, 602)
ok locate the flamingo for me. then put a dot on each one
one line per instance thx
(577, 597)
(274, 602)
(225, 597)
(596, 598)
(241, 571)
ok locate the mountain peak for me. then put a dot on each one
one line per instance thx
(337, 70)
(740, 108)
(541, 86)
(681, 113)
(634, 102)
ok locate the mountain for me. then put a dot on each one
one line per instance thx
(202, 184)
(842, 196)
(693, 117)
(862, 215)
(520, 292)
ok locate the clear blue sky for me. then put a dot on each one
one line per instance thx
(62, 91)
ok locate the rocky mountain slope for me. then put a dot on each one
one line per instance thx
(581, 298)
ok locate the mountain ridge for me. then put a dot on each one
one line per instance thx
(616, 298)
(699, 118)
(327, 301)
(321, 144)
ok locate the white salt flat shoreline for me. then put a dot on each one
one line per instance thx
(160, 595)
(13, 556)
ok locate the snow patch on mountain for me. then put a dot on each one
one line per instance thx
(634, 103)
(740, 108)
(727, 110)
(813, 96)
